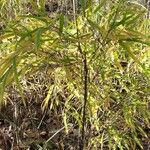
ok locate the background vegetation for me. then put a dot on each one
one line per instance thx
(74, 75)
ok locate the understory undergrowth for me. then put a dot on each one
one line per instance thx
(89, 75)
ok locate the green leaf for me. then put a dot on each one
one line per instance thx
(38, 36)
(61, 24)
(113, 17)
(142, 41)
(97, 27)
(121, 22)
(126, 47)
(45, 20)
(134, 18)
(142, 131)
(101, 4)
(93, 24)
(83, 4)
(3, 82)
(137, 141)
(16, 77)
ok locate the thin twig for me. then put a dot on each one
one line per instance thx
(59, 130)
(41, 120)
(55, 134)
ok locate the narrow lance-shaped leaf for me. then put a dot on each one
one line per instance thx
(93, 24)
(16, 77)
(96, 26)
(127, 48)
(61, 24)
(114, 16)
(34, 5)
(117, 61)
(48, 97)
(3, 82)
(38, 37)
(65, 121)
(101, 4)
(121, 22)
(42, 4)
(36, 17)
(83, 6)
(137, 141)
(134, 18)
(142, 41)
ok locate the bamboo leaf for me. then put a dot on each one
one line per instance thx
(83, 5)
(134, 18)
(3, 82)
(113, 17)
(45, 20)
(117, 61)
(97, 27)
(61, 24)
(38, 36)
(101, 4)
(137, 141)
(65, 121)
(142, 41)
(48, 97)
(16, 77)
(127, 48)
(121, 22)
